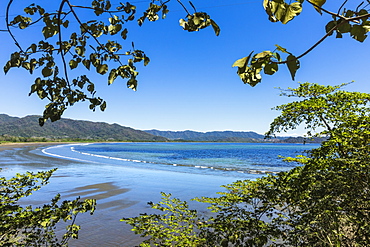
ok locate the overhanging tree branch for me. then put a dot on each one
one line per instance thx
(61, 50)
(8, 25)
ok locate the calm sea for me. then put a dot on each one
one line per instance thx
(123, 177)
(230, 159)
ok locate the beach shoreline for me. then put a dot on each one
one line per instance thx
(120, 191)
(11, 145)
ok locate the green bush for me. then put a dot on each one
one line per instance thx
(323, 202)
(27, 226)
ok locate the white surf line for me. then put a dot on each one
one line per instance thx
(64, 157)
(250, 171)
(108, 157)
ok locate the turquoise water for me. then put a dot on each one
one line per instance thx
(230, 159)
(123, 177)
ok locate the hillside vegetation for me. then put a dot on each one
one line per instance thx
(27, 128)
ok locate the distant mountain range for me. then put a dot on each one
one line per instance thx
(213, 136)
(227, 136)
(73, 130)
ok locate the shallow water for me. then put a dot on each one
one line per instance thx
(123, 177)
(225, 159)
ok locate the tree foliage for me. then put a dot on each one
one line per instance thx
(99, 44)
(325, 201)
(27, 226)
(176, 225)
(355, 22)
(64, 47)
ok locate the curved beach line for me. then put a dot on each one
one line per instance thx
(65, 157)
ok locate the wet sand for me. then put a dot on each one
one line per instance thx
(120, 192)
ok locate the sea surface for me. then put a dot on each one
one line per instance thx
(226, 159)
(123, 177)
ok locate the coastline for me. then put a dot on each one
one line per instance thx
(11, 145)
(120, 191)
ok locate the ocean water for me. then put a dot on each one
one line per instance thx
(227, 159)
(123, 177)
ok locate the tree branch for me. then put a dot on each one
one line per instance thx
(314, 46)
(8, 26)
(344, 3)
(105, 11)
(324, 10)
(326, 36)
(183, 6)
(60, 41)
(320, 41)
(87, 31)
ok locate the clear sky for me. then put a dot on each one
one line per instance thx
(189, 83)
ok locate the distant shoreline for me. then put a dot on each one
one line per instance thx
(11, 145)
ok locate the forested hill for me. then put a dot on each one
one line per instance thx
(26, 128)
(215, 136)
(71, 129)
(228, 136)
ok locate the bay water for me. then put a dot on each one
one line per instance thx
(123, 177)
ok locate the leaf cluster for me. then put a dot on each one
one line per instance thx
(27, 226)
(325, 201)
(197, 21)
(250, 67)
(96, 45)
(176, 225)
(355, 22)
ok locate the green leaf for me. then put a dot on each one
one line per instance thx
(278, 10)
(114, 29)
(108, 5)
(279, 48)
(33, 48)
(271, 68)
(330, 26)
(7, 67)
(292, 11)
(66, 23)
(91, 88)
(132, 83)
(358, 32)
(263, 54)
(243, 61)
(112, 76)
(86, 63)
(318, 3)
(146, 60)
(215, 27)
(27, 66)
(49, 31)
(344, 27)
(80, 50)
(293, 65)
(103, 106)
(124, 33)
(102, 69)
(46, 71)
(73, 64)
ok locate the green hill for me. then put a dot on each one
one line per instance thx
(213, 136)
(71, 129)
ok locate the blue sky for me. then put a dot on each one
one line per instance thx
(190, 84)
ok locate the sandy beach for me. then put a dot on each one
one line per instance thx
(120, 192)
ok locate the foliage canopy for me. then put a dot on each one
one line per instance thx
(322, 202)
(65, 46)
(27, 226)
